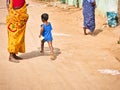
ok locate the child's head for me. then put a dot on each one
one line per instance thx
(44, 17)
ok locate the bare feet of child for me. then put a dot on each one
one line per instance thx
(42, 52)
(52, 56)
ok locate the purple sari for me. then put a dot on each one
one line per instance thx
(89, 15)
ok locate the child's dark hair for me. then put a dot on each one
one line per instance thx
(44, 16)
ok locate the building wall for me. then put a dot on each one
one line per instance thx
(119, 11)
(103, 6)
(107, 6)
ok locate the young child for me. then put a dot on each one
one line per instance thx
(46, 34)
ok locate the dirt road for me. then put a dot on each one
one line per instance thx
(82, 62)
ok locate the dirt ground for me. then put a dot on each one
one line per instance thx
(82, 62)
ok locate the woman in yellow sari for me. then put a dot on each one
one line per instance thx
(16, 24)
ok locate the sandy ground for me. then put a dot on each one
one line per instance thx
(82, 62)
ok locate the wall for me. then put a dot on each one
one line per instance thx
(107, 6)
(103, 6)
(119, 11)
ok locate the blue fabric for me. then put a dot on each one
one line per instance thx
(89, 16)
(91, 1)
(112, 19)
(47, 29)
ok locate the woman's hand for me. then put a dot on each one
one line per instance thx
(94, 4)
(27, 4)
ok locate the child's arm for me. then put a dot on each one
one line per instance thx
(41, 31)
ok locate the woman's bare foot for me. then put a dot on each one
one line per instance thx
(85, 34)
(13, 59)
(84, 31)
(17, 57)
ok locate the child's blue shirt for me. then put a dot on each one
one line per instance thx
(47, 32)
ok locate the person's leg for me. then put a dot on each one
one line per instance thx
(12, 58)
(84, 28)
(50, 46)
(42, 46)
(17, 57)
(52, 57)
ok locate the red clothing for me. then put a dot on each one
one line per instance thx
(18, 3)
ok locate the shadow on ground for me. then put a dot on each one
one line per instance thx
(37, 53)
(96, 32)
(115, 51)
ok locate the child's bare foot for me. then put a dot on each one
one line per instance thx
(52, 56)
(42, 52)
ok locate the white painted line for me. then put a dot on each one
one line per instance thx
(61, 34)
(109, 71)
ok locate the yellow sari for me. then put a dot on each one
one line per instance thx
(16, 24)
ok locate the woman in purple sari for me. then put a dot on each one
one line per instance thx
(89, 15)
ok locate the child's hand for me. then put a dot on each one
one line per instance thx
(39, 36)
